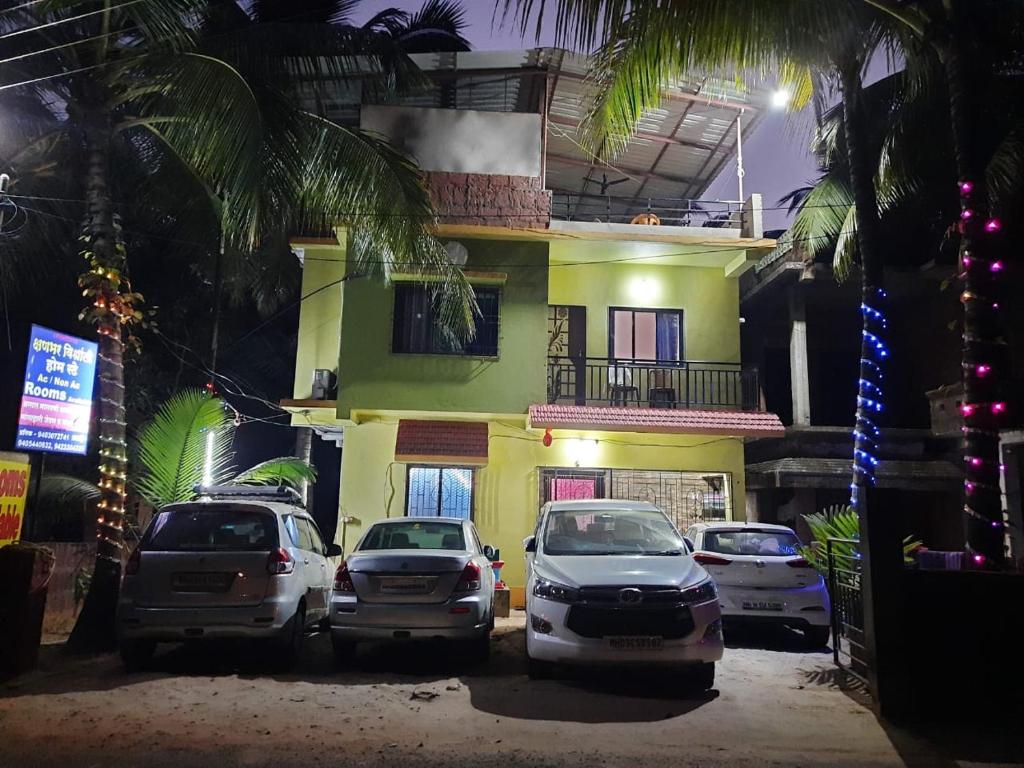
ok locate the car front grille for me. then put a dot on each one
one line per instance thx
(670, 622)
(649, 595)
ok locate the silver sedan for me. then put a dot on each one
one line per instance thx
(414, 578)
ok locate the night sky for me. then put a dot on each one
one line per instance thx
(775, 156)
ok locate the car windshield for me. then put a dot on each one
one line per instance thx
(757, 542)
(211, 528)
(611, 532)
(415, 535)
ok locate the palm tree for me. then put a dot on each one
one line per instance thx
(188, 443)
(123, 86)
(916, 167)
(966, 37)
(641, 46)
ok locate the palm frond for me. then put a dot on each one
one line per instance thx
(285, 470)
(840, 525)
(846, 250)
(59, 490)
(190, 434)
(437, 26)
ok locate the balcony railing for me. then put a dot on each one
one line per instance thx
(648, 384)
(619, 209)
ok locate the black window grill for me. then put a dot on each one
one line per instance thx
(416, 330)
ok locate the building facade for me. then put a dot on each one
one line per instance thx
(606, 360)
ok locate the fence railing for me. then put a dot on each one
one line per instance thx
(849, 646)
(623, 209)
(682, 384)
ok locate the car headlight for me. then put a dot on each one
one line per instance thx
(702, 593)
(552, 590)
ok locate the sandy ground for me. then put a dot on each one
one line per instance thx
(774, 704)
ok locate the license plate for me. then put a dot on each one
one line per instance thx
(640, 643)
(761, 605)
(201, 582)
(406, 585)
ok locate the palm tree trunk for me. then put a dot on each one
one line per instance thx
(102, 284)
(985, 362)
(873, 349)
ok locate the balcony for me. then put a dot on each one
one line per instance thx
(648, 384)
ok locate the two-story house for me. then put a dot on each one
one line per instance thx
(606, 361)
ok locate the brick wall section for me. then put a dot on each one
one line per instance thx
(517, 202)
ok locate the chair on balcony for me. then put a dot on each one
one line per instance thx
(661, 391)
(620, 385)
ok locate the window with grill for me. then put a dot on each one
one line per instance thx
(439, 492)
(416, 330)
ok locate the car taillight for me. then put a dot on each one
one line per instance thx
(798, 563)
(132, 566)
(707, 559)
(469, 581)
(280, 561)
(342, 579)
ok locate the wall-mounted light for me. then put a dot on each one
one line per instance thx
(645, 289)
(582, 453)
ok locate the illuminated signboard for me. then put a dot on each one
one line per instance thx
(56, 400)
(14, 472)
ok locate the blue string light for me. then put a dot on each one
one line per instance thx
(869, 395)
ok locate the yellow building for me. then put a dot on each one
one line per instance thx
(607, 355)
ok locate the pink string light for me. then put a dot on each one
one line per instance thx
(993, 225)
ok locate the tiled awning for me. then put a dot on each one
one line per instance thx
(668, 420)
(442, 442)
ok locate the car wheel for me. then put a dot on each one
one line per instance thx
(536, 669)
(703, 677)
(539, 670)
(344, 651)
(480, 648)
(817, 637)
(289, 648)
(136, 654)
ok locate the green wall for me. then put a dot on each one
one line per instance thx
(371, 377)
(709, 300)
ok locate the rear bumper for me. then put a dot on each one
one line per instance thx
(806, 606)
(462, 618)
(176, 624)
(703, 645)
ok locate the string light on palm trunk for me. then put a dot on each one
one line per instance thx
(982, 409)
(870, 395)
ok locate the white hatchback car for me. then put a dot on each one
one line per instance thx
(237, 563)
(762, 578)
(613, 582)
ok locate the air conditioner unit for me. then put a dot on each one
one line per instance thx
(324, 384)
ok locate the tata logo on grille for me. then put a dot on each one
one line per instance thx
(631, 596)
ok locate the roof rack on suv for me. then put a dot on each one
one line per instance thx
(282, 493)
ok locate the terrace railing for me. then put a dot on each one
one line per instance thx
(668, 211)
(649, 384)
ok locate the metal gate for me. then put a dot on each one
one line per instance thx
(686, 497)
(849, 650)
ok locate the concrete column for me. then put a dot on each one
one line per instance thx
(751, 217)
(798, 372)
(1011, 453)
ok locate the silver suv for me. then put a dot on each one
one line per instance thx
(237, 563)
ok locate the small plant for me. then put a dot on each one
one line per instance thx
(83, 578)
(839, 523)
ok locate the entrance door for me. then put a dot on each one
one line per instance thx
(567, 353)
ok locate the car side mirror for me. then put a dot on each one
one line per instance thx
(689, 543)
(489, 552)
(334, 550)
(530, 543)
